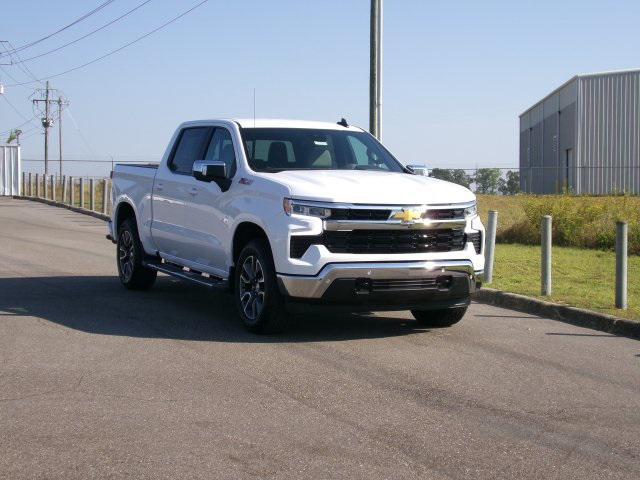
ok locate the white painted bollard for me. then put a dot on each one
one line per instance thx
(46, 186)
(30, 185)
(64, 189)
(105, 200)
(72, 187)
(546, 256)
(92, 194)
(24, 183)
(81, 192)
(622, 230)
(37, 185)
(53, 188)
(490, 246)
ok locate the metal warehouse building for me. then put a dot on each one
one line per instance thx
(584, 137)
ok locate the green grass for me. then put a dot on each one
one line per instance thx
(581, 277)
(578, 221)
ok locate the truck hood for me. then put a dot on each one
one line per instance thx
(370, 187)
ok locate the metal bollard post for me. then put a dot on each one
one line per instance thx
(81, 192)
(24, 183)
(104, 196)
(37, 184)
(30, 186)
(64, 189)
(490, 246)
(546, 255)
(46, 186)
(53, 188)
(92, 194)
(621, 264)
(72, 196)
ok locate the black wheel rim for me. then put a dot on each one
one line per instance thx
(126, 255)
(251, 289)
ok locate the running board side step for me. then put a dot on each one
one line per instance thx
(186, 274)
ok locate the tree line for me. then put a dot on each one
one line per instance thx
(486, 180)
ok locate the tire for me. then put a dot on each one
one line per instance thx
(256, 293)
(129, 254)
(439, 318)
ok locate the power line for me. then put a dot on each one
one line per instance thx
(86, 35)
(86, 15)
(26, 70)
(116, 50)
(14, 108)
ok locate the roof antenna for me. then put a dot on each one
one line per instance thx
(343, 123)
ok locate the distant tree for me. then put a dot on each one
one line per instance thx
(452, 175)
(12, 136)
(487, 180)
(511, 184)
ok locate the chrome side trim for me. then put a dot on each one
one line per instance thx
(315, 286)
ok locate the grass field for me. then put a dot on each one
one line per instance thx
(578, 221)
(581, 277)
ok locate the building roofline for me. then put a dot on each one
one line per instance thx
(575, 77)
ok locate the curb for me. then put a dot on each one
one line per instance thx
(84, 211)
(575, 316)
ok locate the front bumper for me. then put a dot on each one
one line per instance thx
(385, 283)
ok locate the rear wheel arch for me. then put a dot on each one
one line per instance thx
(123, 211)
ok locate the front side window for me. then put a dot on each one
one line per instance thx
(278, 149)
(189, 149)
(221, 150)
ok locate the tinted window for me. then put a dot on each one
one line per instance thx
(276, 149)
(189, 149)
(221, 149)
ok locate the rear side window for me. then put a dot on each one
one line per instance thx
(190, 148)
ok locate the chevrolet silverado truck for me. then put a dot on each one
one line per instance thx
(288, 213)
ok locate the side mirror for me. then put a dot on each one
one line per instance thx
(209, 170)
(421, 170)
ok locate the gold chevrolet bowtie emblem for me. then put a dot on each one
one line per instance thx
(407, 215)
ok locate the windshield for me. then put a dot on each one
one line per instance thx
(278, 149)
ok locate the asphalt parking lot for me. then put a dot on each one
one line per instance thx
(100, 382)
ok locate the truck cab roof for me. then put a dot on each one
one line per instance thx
(277, 123)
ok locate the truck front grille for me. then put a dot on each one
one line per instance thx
(381, 241)
(359, 214)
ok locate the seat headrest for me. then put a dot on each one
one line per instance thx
(277, 156)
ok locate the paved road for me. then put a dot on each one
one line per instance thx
(99, 382)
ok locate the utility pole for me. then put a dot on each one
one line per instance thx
(61, 103)
(375, 69)
(46, 123)
(47, 96)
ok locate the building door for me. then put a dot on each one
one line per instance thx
(568, 164)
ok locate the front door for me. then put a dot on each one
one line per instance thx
(208, 222)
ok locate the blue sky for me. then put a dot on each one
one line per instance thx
(456, 74)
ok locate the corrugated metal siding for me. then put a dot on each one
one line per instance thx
(609, 126)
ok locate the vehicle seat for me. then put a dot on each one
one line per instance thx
(277, 157)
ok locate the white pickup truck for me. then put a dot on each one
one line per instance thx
(287, 213)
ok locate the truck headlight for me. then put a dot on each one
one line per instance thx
(307, 209)
(471, 211)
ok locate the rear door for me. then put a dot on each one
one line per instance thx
(173, 191)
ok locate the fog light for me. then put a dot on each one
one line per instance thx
(443, 282)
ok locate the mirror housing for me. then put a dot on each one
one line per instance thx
(209, 170)
(421, 170)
